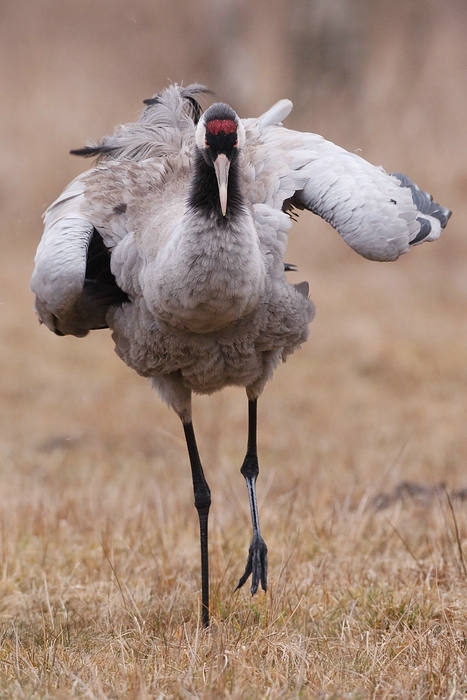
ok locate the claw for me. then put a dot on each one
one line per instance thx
(257, 565)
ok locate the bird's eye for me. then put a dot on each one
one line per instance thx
(206, 145)
(236, 144)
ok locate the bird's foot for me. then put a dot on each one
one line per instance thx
(257, 565)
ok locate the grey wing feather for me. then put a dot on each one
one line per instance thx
(427, 208)
(87, 260)
(378, 214)
(72, 280)
(60, 262)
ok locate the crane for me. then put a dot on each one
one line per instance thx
(175, 240)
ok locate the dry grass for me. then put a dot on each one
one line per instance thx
(362, 437)
(100, 584)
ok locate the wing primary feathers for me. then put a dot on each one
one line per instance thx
(98, 270)
(100, 292)
(425, 205)
(425, 230)
(56, 329)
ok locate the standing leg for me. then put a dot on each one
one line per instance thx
(202, 502)
(257, 563)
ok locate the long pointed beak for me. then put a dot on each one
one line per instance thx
(221, 166)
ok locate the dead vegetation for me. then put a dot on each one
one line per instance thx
(362, 443)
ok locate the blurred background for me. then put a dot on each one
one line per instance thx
(386, 76)
(385, 365)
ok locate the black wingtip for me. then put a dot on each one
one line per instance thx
(57, 331)
(425, 205)
(425, 230)
(441, 213)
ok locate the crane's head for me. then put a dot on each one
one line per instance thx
(219, 137)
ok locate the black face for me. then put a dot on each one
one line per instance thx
(219, 142)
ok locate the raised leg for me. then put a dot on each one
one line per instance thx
(257, 563)
(202, 502)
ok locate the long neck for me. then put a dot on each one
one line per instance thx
(204, 191)
(210, 272)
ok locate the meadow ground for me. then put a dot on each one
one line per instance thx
(363, 449)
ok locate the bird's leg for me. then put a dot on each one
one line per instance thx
(202, 502)
(257, 564)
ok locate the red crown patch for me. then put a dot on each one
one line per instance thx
(224, 126)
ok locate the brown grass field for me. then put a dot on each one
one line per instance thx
(362, 440)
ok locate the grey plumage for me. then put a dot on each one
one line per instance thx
(188, 270)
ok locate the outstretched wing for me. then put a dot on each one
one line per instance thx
(380, 215)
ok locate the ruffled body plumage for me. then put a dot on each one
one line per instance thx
(197, 300)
